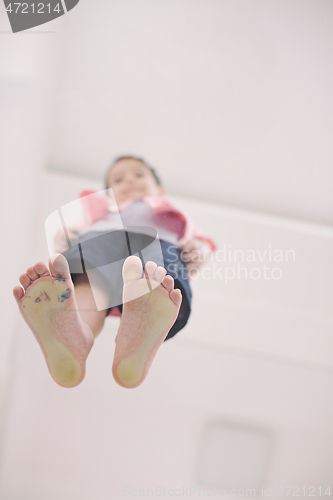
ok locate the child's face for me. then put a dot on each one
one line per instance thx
(131, 179)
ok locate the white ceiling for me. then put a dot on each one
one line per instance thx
(230, 100)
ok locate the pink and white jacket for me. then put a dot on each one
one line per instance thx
(99, 206)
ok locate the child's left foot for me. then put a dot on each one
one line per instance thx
(148, 314)
(49, 308)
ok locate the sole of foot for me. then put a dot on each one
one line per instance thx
(150, 308)
(48, 306)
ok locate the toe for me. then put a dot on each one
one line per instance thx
(176, 296)
(41, 269)
(160, 272)
(59, 266)
(24, 280)
(18, 293)
(168, 282)
(33, 275)
(150, 268)
(132, 268)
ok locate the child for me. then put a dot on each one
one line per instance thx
(153, 305)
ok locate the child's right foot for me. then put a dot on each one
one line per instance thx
(146, 320)
(48, 306)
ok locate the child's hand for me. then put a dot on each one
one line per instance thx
(60, 240)
(195, 252)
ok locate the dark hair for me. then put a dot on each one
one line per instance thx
(156, 177)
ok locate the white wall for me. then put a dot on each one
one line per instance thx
(231, 100)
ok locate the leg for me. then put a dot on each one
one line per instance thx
(86, 305)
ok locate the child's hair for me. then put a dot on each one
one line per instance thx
(156, 177)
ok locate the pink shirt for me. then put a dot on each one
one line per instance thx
(98, 206)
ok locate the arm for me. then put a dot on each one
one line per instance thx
(197, 246)
(195, 252)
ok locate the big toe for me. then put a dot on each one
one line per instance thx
(59, 266)
(132, 268)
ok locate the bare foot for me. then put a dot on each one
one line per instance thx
(150, 308)
(48, 306)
